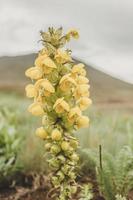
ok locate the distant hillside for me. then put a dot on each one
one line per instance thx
(104, 88)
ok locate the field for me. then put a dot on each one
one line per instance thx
(106, 153)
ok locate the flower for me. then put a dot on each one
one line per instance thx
(46, 63)
(61, 106)
(36, 109)
(48, 146)
(82, 80)
(78, 70)
(74, 113)
(84, 102)
(30, 91)
(74, 33)
(65, 146)
(62, 57)
(82, 122)
(56, 134)
(40, 132)
(45, 87)
(55, 149)
(34, 73)
(39, 60)
(74, 157)
(82, 90)
(66, 82)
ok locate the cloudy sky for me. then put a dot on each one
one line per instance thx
(105, 26)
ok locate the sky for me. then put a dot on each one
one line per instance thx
(105, 27)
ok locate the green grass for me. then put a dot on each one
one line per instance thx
(110, 128)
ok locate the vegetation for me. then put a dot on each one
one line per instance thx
(9, 144)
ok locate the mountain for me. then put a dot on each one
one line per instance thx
(104, 88)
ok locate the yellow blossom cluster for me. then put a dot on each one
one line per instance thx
(60, 90)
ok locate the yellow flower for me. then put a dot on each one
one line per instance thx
(45, 87)
(56, 134)
(82, 122)
(39, 60)
(78, 70)
(30, 91)
(74, 113)
(40, 132)
(61, 106)
(82, 80)
(36, 109)
(66, 82)
(62, 57)
(81, 91)
(34, 73)
(84, 102)
(46, 63)
(74, 33)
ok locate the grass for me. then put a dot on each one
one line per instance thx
(110, 128)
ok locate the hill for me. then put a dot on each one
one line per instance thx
(104, 88)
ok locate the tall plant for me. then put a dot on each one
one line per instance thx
(61, 92)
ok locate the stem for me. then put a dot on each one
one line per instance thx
(100, 157)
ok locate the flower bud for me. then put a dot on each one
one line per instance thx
(62, 57)
(54, 163)
(74, 143)
(40, 132)
(73, 33)
(74, 157)
(73, 189)
(84, 102)
(62, 158)
(55, 149)
(30, 91)
(65, 169)
(71, 175)
(82, 122)
(78, 69)
(34, 73)
(60, 175)
(65, 146)
(47, 146)
(55, 181)
(36, 109)
(61, 106)
(56, 134)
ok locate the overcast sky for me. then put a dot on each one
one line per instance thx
(105, 26)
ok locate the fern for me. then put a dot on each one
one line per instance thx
(86, 192)
(119, 197)
(116, 177)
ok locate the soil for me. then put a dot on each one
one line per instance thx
(37, 187)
